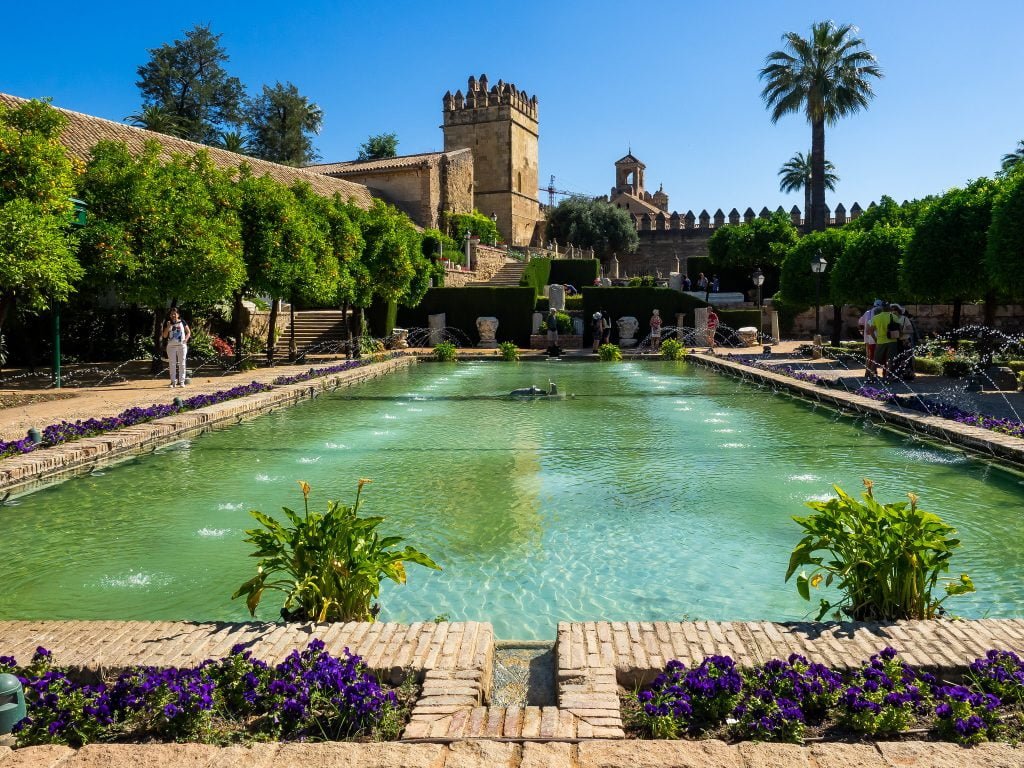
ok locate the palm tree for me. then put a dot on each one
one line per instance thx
(826, 77)
(233, 141)
(1014, 158)
(155, 117)
(796, 175)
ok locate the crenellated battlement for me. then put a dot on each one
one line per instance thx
(478, 96)
(645, 222)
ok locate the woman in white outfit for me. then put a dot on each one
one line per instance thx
(177, 333)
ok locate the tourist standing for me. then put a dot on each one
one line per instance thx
(606, 327)
(655, 330)
(714, 284)
(177, 333)
(864, 324)
(687, 284)
(886, 334)
(712, 328)
(903, 367)
(597, 328)
(702, 283)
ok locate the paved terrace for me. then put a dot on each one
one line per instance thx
(451, 724)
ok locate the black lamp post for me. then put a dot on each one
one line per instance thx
(818, 265)
(494, 220)
(758, 278)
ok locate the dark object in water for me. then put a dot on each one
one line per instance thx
(535, 391)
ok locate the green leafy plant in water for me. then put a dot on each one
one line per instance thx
(563, 321)
(445, 352)
(672, 349)
(609, 353)
(508, 351)
(330, 565)
(886, 559)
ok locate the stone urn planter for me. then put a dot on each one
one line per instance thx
(628, 326)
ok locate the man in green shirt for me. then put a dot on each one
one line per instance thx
(885, 347)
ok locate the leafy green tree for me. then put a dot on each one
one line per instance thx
(379, 147)
(160, 232)
(761, 242)
(1013, 159)
(393, 257)
(1004, 253)
(37, 177)
(187, 79)
(796, 175)
(479, 225)
(799, 286)
(889, 213)
(158, 118)
(282, 122)
(869, 266)
(593, 224)
(826, 76)
(278, 245)
(945, 259)
(233, 141)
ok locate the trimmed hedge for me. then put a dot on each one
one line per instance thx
(928, 365)
(462, 306)
(381, 316)
(578, 273)
(638, 302)
(536, 275)
(738, 318)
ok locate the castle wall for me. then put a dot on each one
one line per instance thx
(415, 191)
(658, 251)
(456, 183)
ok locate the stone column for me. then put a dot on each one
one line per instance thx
(700, 326)
(556, 297)
(615, 266)
(436, 324)
(774, 315)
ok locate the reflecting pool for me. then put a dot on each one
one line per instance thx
(652, 491)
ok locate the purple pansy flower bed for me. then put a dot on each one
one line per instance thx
(946, 411)
(310, 696)
(793, 700)
(66, 431)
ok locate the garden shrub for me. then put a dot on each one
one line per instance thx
(574, 303)
(578, 273)
(609, 353)
(1020, 380)
(564, 322)
(885, 559)
(542, 305)
(1015, 365)
(445, 352)
(671, 349)
(508, 351)
(956, 367)
(928, 365)
(329, 565)
(536, 275)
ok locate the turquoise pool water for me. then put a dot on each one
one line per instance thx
(653, 491)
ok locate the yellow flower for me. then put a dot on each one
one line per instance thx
(913, 500)
(816, 580)
(869, 484)
(363, 481)
(305, 488)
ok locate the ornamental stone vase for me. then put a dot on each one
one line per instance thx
(487, 327)
(627, 330)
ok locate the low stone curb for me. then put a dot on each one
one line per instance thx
(978, 439)
(496, 754)
(20, 474)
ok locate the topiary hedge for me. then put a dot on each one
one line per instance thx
(576, 272)
(638, 302)
(462, 306)
(536, 275)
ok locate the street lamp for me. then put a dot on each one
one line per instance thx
(758, 278)
(469, 234)
(818, 265)
(494, 220)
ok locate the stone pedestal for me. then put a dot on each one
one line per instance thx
(400, 338)
(556, 297)
(675, 281)
(775, 324)
(487, 327)
(627, 331)
(747, 335)
(538, 318)
(436, 323)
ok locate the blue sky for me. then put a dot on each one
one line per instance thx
(675, 81)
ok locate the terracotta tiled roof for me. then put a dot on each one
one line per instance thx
(84, 131)
(386, 164)
(629, 160)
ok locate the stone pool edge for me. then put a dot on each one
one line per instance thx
(452, 726)
(26, 472)
(975, 439)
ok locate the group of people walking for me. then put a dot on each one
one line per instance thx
(889, 339)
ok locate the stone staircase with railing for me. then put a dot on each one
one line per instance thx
(509, 274)
(316, 332)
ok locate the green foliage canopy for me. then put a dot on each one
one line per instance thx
(593, 224)
(1004, 254)
(945, 258)
(760, 242)
(477, 223)
(797, 283)
(187, 80)
(281, 122)
(379, 147)
(37, 178)
(869, 265)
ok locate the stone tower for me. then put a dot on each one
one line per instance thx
(629, 176)
(500, 126)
